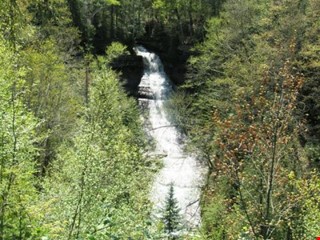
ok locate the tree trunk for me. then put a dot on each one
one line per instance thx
(87, 84)
(190, 19)
(181, 35)
(112, 11)
(271, 177)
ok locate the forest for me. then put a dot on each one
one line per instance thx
(73, 150)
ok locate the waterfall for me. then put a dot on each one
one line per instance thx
(179, 168)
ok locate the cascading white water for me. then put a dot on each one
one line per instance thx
(179, 169)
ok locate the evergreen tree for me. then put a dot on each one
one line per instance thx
(171, 215)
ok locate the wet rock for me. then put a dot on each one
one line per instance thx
(131, 68)
(145, 92)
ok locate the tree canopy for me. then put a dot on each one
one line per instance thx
(73, 162)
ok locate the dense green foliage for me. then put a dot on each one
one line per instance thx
(17, 167)
(246, 106)
(174, 22)
(72, 162)
(100, 179)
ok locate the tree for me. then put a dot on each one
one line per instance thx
(258, 149)
(51, 94)
(308, 64)
(171, 215)
(243, 87)
(17, 152)
(97, 186)
(310, 214)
